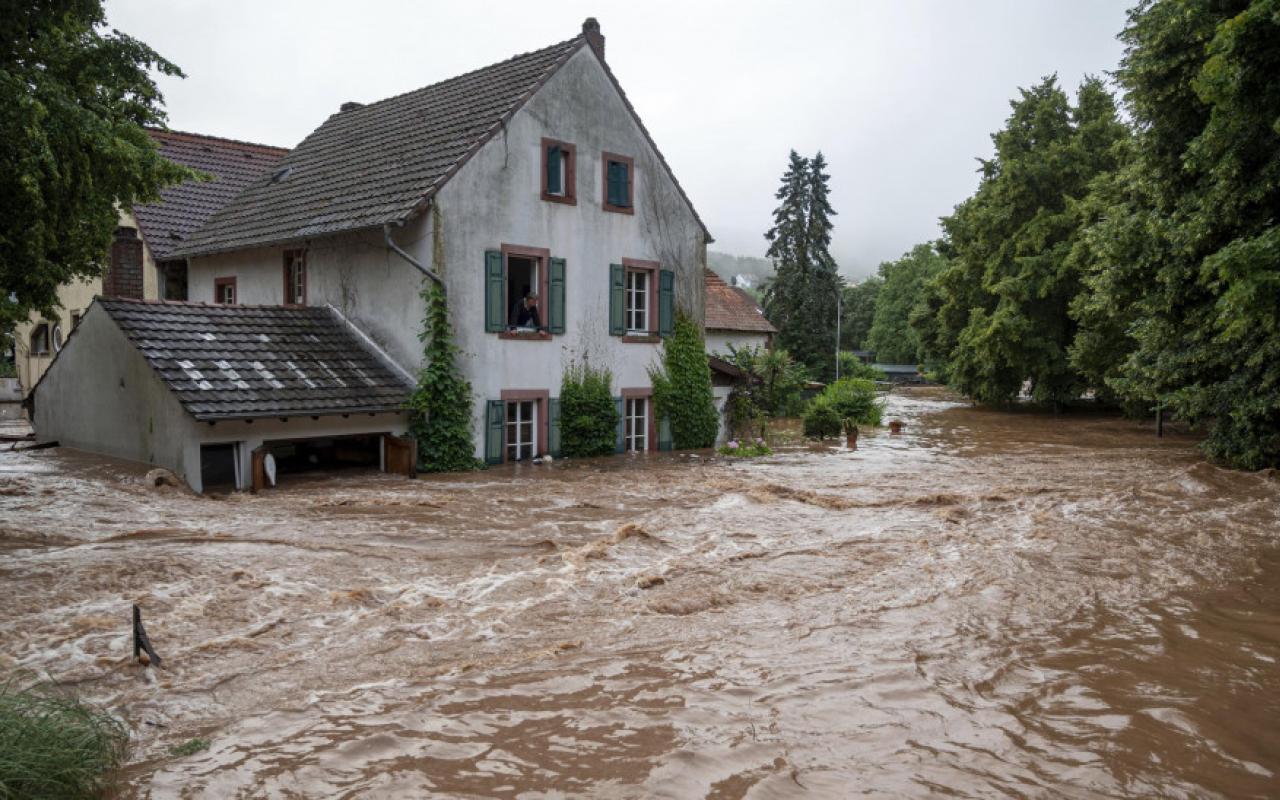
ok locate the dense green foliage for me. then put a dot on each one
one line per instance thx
(73, 102)
(588, 413)
(843, 404)
(853, 367)
(54, 746)
(682, 387)
(903, 293)
(442, 402)
(1183, 264)
(801, 300)
(857, 310)
(772, 389)
(998, 315)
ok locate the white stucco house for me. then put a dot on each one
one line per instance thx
(533, 176)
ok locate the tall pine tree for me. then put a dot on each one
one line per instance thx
(801, 301)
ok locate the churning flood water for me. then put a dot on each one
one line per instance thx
(990, 604)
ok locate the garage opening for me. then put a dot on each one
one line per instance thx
(324, 454)
(218, 467)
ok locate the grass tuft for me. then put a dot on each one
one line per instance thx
(54, 746)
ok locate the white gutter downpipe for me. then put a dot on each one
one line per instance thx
(395, 248)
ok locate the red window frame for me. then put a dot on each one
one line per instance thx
(653, 268)
(218, 284)
(543, 256)
(630, 208)
(570, 196)
(289, 255)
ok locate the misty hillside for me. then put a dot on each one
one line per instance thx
(727, 265)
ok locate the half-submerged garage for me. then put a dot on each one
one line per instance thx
(226, 396)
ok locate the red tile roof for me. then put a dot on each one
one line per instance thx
(183, 208)
(731, 309)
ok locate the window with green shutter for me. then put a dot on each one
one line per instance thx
(617, 300)
(558, 168)
(556, 299)
(495, 292)
(619, 183)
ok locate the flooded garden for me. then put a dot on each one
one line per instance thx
(1009, 604)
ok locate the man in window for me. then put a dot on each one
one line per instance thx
(525, 313)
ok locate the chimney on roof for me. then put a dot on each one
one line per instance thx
(591, 30)
(351, 105)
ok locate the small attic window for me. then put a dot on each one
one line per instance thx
(280, 174)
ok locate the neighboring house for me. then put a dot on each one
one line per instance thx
(533, 175)
(142, 265)
(733, 318)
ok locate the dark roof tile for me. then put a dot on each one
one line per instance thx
(185, 207)
(241, 362)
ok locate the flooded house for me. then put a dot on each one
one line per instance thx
(733, 318)
(529, 190)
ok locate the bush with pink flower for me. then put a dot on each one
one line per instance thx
(745, 448)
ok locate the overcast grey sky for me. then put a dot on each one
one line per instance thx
(901, 95)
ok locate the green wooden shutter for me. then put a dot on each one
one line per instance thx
(624, 188)
(494, 430)
(617, 192)
(621, 445)
(495, 292)
(554, 186)
(617, 300)
(555, 303)
(664, 432)
(666, 301)
(553, 426)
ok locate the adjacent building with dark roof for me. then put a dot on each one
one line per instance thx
(208, 391)
(141, 261)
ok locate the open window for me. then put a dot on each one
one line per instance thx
(559, 172)
(38, 345)
(295, 277)
(619, 183)
(524, 293)
(224, 291)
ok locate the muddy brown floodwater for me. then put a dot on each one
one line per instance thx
(990, 604)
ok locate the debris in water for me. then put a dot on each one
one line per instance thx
(649, 581)
(141, 644)
(158, 478)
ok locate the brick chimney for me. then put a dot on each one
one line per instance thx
(591, 30)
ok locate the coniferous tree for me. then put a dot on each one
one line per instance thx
(802, 299)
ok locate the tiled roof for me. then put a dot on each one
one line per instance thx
(377, 163)
(731, 309)
(183, 208)
(242, 362)
(380, 163)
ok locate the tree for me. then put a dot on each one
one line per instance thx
(801, 299)
(1186, 245)
(682, 387)
(856, 312)
(441, 403)
(904, 285)
(73, 103)
(998, 312)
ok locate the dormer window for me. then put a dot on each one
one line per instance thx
(619, 183)
(559, 166)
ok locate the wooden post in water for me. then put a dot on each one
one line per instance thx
(142, 650)
(1159, 422)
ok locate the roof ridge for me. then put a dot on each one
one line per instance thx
(204, 137)
(134, 301)
(468, 74)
